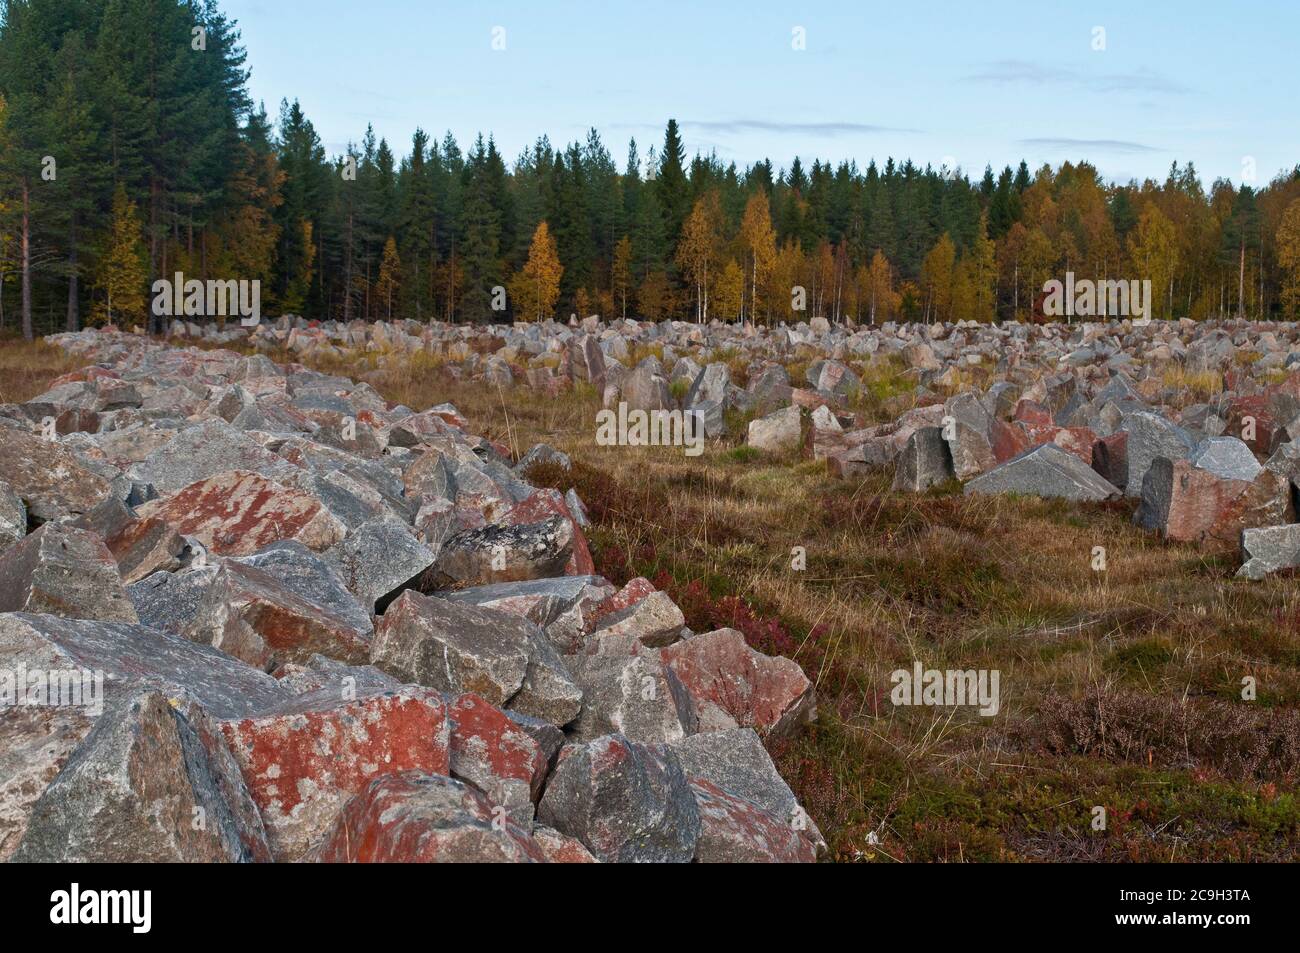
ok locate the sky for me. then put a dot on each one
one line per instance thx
(1129, 86)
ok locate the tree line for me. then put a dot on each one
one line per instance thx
(130, 150)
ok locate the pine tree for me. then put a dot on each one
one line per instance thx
(480, 240)
(245, 242)
(306, 184)
(603, 200)
(1241, 235)
(74, 138)
(670, 184)
(621, 274)
(531, 180)
(418, 223)
(649, 248)
(571, 224)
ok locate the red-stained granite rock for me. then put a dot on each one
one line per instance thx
(48, 477)
(636, 696)
(734, 685)
(239, 512)
(63, 571)
(569, 631)
(154, 782)
(501, 553)
(1032, 413)
(36, 741)
(1253, 420)
(626, 802)
(85, 374)
(251, 614)
(541, 601)
(561, 848)
(141, 547)
(654, 621)
(423, 818)
(632, 593)
(1189, 504)
(736, 831)
(1008, 440)
(1076, 440)
(545, 503)
(491, 751)
(411, 431)
(305, 758)
(76, 420)
(1110, 457)
(452, 647)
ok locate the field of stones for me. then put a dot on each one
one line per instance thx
(381, 592)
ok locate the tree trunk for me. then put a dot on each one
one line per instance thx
(347, 278)
(74, 318)
(203, 268)
(706, 293)
(158, 319)
(1241, 282)
(154, 322)
(27, 263)
(753, 293)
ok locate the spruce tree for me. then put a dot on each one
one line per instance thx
(670, 184)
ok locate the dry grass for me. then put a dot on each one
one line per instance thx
(27, 367)
(1204, 384)
(1119, 688)
(958, 582)
(965, 583)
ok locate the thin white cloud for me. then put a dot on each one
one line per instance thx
(1091, 145)
(829, 129)
(1026, 73)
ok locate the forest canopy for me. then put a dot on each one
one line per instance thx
(124, 160)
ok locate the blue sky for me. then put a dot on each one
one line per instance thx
(975, 82)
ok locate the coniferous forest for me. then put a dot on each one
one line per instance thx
(123, 161)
